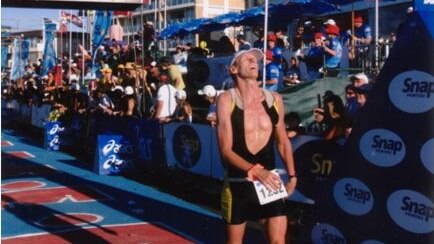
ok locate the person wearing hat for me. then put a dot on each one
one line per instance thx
(210, 94)
(359, 43)
(314, 58)
(183, 111)
(333, 50)
(273, 69)
(243, 44)
(250, 126)
(108, 80)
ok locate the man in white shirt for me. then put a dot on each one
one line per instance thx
(166, 102)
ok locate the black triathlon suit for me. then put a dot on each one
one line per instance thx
(239, 199)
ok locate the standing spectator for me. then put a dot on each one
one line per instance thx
(360, 41)
(166, 102)
(273, 69)
(148, 36)
(243, 43)
(180, 58)
(282, 40)
(174, 73)
(333, 50)
(298, 40)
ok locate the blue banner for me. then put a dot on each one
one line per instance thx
(53, 131)
(49, 56)
(115, 155)
(16, 70)
(4, 57)
(100, 28)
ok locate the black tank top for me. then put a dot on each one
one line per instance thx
(266, 155)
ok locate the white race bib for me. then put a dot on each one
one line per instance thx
(265, 196)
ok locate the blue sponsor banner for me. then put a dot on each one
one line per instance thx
(186, 147)
(150, 143)
(16, 71)
(115, 155)
(53, 131)
(49, 55)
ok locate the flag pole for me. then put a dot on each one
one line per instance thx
(264, 59)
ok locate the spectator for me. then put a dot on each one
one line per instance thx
(292, 76)
(274, 72)
(210, 94)
(174, 73)
(166, 102)
(293, 127)
(129, 103)
(243, 43)
(224, 47)
(359, 43)
(180, 58)
(298, 40)
(183, 111)
(314, 58)
(148, 36)
(281, 39)
(333, 50)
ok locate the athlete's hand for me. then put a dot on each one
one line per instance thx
(290, 186)
(270, 180)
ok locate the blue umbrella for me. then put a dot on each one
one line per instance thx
(170, 31)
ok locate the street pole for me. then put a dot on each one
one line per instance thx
(376, 32)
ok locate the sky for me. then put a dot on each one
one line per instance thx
(26, 18)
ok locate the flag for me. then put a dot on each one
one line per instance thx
(4, 57)
(72, 18)
(19, 58)
(100, 30)
(49, 55)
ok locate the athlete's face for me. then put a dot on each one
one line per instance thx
(247, 66)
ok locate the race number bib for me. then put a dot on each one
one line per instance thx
(265, 196)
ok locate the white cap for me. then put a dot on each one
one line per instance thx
(255, 51)
(410, 10)
(208, 90)
(330, 22)
(129, 90)
(180, 94)
(120, 88)
(360, 76)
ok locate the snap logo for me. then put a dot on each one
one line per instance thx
(326, 233)
(353, 196)
(427, 155)
(186, 146)
(382, 147)
(412, 211)
(412, 91)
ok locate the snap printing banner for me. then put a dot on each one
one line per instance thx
(115, 154)
(382, 191)
(188, 146)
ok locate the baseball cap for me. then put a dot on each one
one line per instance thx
(272, 37)
(207, 90)
(332, 29)
(360, 76)
(358, 19)
(330, 22)
(180, 94)
(277, 53)
(255, 51)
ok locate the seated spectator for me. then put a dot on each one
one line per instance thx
(293, 127)
(183, 111)
(210, 94)
(351, 104)
(332, 117)
(243, 43)
(293, 74)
